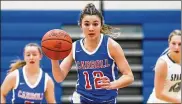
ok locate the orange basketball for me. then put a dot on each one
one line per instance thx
(56, 44)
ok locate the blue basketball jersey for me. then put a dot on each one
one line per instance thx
(91, 66)
(24, 92)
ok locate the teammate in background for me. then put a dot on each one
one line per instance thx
(98, 59)
(167, 83)
(29, 84)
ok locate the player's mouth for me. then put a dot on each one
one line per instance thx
(91, 34)
(32, 62)
(176, 51)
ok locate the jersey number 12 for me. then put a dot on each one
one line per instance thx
(96, 75)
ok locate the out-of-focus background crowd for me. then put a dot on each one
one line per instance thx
(144, 28)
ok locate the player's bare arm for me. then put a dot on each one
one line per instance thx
(60, 71)
(8, 84)
(49, 93)
(160, 76)
(117, 54)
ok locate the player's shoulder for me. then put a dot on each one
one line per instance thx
(165, 59)
(161, 67)
(12, 77)
(162, 61)
(13, 74)
(112, 43)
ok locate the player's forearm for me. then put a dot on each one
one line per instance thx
(3, 99)
(56, 70)
(167, 98)
(123, 81)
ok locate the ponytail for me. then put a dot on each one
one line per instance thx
(163, 53)
(17, 64)
(107, 29)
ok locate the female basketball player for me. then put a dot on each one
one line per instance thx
(29, 84)
(98, 59)
(167, 84)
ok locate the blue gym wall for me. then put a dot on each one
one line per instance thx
(21, 27)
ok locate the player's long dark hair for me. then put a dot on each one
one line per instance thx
(90, 9)
(20, 63)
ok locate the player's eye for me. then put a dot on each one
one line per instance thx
(173, 43)
(28, 55)
(86, 24)
(95, 24)
(34, 54)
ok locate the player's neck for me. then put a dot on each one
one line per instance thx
(175, 58)
(91, 44)
(32, 70)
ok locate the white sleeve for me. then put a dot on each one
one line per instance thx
(74, 47)
(108, 50)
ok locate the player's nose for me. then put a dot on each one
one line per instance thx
(177, 47)
(91, 28)
(31, 56)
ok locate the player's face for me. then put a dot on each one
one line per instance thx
(32, 55)
(175, 45)
(91, 26)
